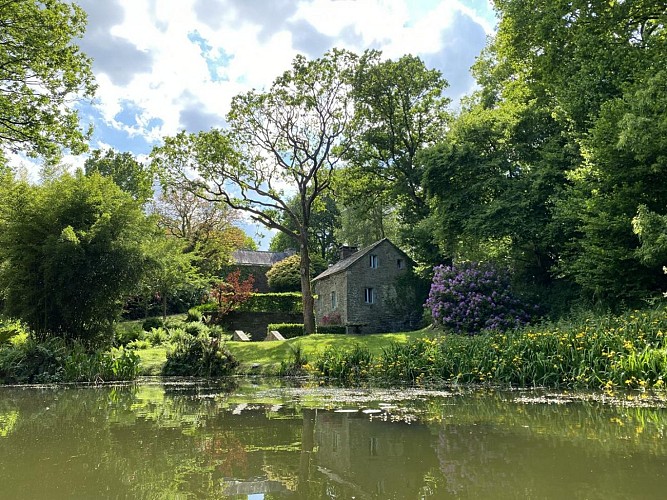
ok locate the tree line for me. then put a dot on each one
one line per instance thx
(553, 167)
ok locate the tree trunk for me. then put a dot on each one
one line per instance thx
(306, 292)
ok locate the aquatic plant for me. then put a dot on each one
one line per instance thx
(605, 352)
(608, 352)
(350, 365)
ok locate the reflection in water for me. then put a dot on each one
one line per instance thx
(198, 441)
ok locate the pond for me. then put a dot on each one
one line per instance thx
(161, 439)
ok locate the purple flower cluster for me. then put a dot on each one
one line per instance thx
(471, 297)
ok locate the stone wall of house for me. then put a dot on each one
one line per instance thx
(323, 306)
(256, 323)
(381, 315)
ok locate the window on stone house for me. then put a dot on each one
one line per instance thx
(374, 261)
(400, 263)
(369, 295)
(334, 301)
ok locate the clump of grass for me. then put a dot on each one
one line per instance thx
(351, 365)
(297, 363)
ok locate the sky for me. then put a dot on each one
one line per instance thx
(163, 66)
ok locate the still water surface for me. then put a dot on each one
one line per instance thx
(176, 440)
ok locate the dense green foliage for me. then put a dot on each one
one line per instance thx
(42, 71)
(285, 276)
(55, 360)
(603, 352)
(124, 169)
(71, 253)
(287, 302)
(549, 163)
(199, 356)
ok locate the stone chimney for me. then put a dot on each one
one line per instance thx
(346, 251)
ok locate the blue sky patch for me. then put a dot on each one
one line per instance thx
(214, 61)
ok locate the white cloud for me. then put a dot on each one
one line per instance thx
(179, 91)
(165, 65)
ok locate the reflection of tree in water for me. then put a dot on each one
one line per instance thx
(151, 442)
(226, 453)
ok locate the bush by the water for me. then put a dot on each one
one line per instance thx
(200, 357)
(348, 365)
(56, 360)
(297, 363)
(471, 297)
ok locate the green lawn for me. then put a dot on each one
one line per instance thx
(265, 357)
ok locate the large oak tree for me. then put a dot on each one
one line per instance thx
(283, 143)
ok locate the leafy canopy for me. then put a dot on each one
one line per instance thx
(70, 253)
(42, 73)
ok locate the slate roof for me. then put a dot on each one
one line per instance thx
(342, 265)
(258, 257)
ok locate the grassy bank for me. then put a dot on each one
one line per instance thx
(603, 352)
(608, 352)
(266, 357)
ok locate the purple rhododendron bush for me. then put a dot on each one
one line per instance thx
(471, 297)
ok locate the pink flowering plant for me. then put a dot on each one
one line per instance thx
(471, 297)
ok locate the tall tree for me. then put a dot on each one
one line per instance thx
(583, 51)
(206, 227)
(623, 176)
(284, 142)
(168, 270)
(325, 219)
(400, 109)
(492, 180)
(42, 72)
(123, 168)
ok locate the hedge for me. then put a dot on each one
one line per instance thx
(334, 329)
(287, 330)
(290, 330)
(287, 302)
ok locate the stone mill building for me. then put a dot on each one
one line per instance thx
(360, 290)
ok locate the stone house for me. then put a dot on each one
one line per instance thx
(361, 289)
(256, 263)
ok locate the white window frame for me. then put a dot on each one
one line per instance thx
(374, 263)
(334, 300)
(369, 295)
